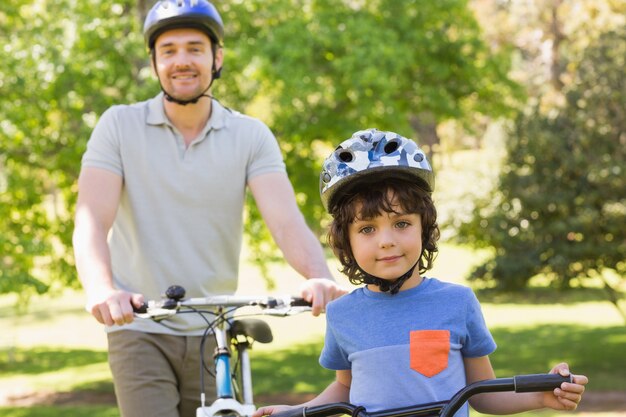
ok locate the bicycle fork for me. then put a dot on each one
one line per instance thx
(226, 404)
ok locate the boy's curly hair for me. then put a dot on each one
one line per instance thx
(378, 196)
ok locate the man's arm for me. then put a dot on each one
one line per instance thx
(276, 200)
(99, 193)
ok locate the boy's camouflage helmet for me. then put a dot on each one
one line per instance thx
(377, 153)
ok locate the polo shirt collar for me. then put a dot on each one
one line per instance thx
(156, 113)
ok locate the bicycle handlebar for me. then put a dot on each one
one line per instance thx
(277, 305)
(520, 383)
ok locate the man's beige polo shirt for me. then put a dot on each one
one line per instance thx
(180, 214)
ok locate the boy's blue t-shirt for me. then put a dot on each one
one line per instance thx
(407, 348)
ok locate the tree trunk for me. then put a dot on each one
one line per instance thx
(614, 297)
(425, 126)
(557, 37)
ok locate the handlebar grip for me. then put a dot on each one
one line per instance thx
(300, 302)
(539, 382)
(294, 412)
(141, 310)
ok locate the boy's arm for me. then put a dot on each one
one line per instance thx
(337, 391)
(565, 398)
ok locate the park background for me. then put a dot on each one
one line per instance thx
(520, 104)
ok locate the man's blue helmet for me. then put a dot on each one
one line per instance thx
(373, 153)
(175, 14)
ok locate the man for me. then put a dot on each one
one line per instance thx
(160, 202)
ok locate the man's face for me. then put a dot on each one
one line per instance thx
(183, 62)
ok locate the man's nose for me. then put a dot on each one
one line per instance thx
(181, 59)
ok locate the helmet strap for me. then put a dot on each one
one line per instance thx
(194, 100)
(216, 73)
(391, 287)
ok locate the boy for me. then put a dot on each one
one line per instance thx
(403, 338)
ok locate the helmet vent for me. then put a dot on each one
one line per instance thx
(345, 155)
(391, 146)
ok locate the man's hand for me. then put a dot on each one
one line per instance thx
(321, 291)
(114, 306)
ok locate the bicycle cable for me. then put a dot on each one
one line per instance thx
(211, 325)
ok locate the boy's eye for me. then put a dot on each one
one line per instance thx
(402, 224)
(366, 230)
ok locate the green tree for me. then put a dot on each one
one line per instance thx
(321, 69)
(560, 207)
(314, 70)
(63, 63)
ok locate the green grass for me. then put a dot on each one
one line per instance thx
(56, 411)
(595, 352)
(55, 369)
(43, 359)
(57, 347)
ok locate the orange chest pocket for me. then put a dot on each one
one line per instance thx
(429, 351)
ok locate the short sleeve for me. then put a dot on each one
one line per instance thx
(267, 156)
(103, 147)
(478, 340)
(332, 356)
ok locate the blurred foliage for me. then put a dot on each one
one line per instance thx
(314, 70)
(560, 207)
(63, 63)
(317, 71)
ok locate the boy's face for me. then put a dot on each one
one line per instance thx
(388, 245)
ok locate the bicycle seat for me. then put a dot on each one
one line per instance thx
(255, 329)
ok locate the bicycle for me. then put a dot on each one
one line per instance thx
(232, 335)
(519, 383)
(234, 383)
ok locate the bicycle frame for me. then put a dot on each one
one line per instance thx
(520, 383)
(229, 333)
(226, 403)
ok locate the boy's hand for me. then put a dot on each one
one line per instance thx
(271, 409)
(569, 395)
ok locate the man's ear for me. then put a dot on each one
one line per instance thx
(217, 63)
(219, 58)
(153, 62)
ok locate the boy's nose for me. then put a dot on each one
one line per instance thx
(386, 239)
